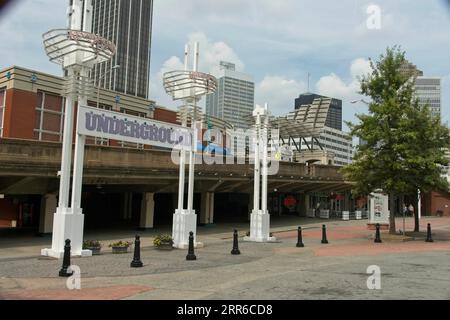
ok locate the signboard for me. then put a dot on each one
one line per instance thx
(379, 212)
(122, 127)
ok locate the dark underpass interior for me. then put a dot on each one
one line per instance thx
(116, 210)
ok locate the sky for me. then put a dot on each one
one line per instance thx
(277, 42)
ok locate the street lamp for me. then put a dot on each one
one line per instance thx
(100, 78)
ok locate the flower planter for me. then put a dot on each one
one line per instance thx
(95, 250)
(119, 249)
(165, 246)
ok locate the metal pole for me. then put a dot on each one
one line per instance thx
(264, 162)
(257, 165)
(182, 152)
(66, 160)
(194, 139)
(79, 152)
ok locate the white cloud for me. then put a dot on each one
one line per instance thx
(333, 86)
(211, 53)
(279, 93)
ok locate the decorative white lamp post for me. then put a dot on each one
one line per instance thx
(77, 50)
(188, 86)
(260, 218)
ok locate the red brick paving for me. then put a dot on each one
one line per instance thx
(373, 249)
(105, 293)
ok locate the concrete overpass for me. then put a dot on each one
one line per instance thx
(29, 167)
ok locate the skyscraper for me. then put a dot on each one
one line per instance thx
(334, 116)
(235, 96)
(427, 89)
(128, 24)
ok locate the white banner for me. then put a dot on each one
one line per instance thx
(122, 127)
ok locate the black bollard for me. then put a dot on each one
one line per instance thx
(137, 263)
(235, 250)
(324, 234)
(66, 261)
(191, 255)
(377, 234)
(429, 238)
(300, 238)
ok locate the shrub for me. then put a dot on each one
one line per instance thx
(162, 239)
(121, 244)
(91, 244)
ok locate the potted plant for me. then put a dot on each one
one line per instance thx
(120, 246)
(93, 245)
(163, 242)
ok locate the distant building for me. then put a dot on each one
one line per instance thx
(235, 96)
(128, 24)
(334, 116)
(305, 130)
(428, 91)
(409, 70)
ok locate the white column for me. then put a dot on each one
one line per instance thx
(185, 221)
(62, 216)
(77, 183)
(257, 166)
(182, 152)
(48, 208)
(260, 219)
(147, 211)
(66, 160)
(69, 222)
(194, 142)
(264, 165)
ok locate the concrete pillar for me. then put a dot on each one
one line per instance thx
(211, 207)
(127, 205)
(147, 210)
(48, 209)
(207, 208)
(204, 207)
(174, 201)
(250, 205)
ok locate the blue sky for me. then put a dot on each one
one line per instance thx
(277, 42)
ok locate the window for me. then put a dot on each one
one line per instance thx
(2, 109)
(97, 140)
(49, 117)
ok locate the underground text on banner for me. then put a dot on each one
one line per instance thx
(122, 127)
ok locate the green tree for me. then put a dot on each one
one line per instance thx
(404, 144)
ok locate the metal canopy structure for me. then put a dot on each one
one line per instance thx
(305, 122)
(308, 121)
(68, 47)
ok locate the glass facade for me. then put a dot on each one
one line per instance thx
(234, 99)
(127, 23)
(428, 91)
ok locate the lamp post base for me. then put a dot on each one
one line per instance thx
(260, 227)
(184, 221)
(67, 225)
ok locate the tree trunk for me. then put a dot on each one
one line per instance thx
(416, 213)
(392, 213)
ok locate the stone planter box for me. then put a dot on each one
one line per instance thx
(118, 250)
(95, 250)
(165, 246)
